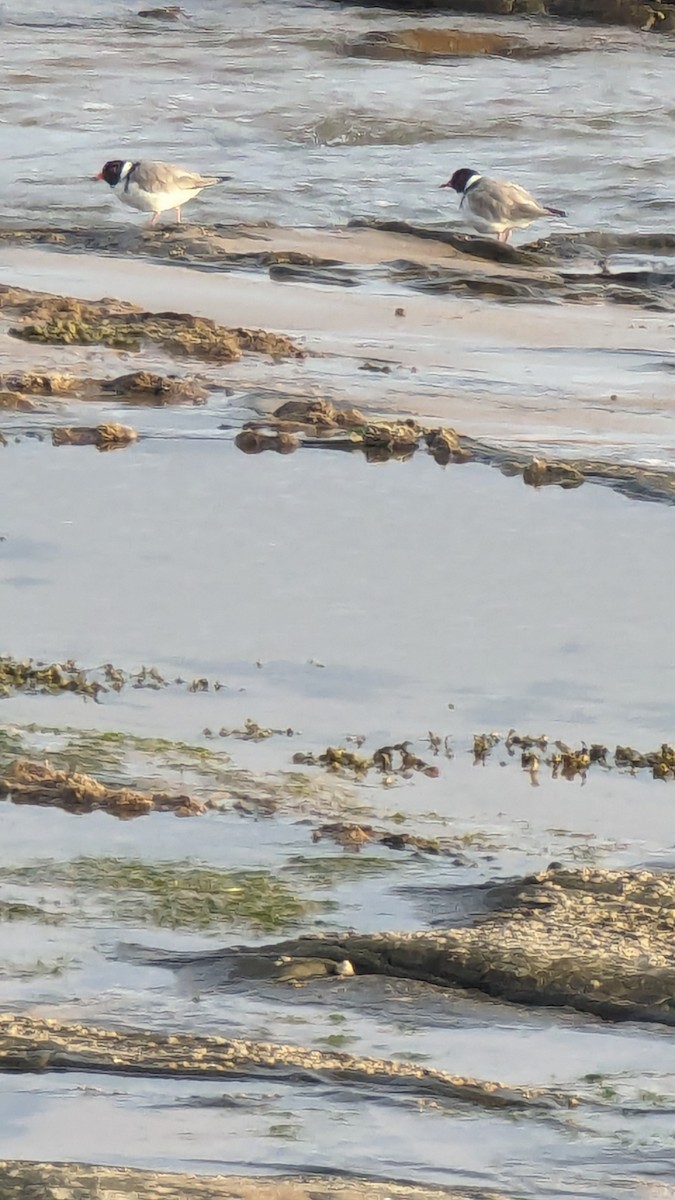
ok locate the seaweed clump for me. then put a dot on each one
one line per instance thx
(353, 837)
(317, 422)
(62, 320)
(108, 436)
(28, 782)
(146, 387)
(389, 761)
(26, 675)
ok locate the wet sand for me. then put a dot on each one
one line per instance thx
(527, 375)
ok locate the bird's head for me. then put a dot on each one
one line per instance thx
(460, 179)
(111, 172)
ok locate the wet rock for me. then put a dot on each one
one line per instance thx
(605, 12)
(75, 1047)
(318, 414)
(426, 43)
(76, 1181)
(28, 782)
(543, 473)
(307, 412)
(170, 12)
(256, 441)
(444, 447)
(476, 247)
(144, 387)
(338, 276)
(49, 383)
(104, 437)
(600, 941)
(62, 320)
(17, 402)
(353, 837)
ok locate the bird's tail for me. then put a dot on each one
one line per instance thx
(222, 178)
(556, 212)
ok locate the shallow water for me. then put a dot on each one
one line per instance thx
(405, 615)
(313, 136)
(338, 597)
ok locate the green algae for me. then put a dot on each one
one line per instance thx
(326, 871)
(15, 910)
(65, 321)
(336, 1041)
(174, 895)
(38, 969)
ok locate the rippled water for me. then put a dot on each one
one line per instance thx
(314, 136)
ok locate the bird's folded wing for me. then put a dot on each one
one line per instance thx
(494, 200)
(163, 177)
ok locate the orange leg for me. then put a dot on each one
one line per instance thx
(154, 219)
(178, 216)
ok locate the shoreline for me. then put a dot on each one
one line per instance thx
(531, 376)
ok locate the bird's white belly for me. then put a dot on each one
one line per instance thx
(498, 226)
(487, 226)
(154, 202)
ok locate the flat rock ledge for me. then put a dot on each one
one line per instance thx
(598, 941)
(657, 17)
(77, 1181)
(29, 1044)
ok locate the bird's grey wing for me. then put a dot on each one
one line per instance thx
(164, 177)
(516, 201)
(487, 202)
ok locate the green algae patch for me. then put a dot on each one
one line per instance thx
(328, 871)
(112, 755)
(128, 775)
(175, 895)
(37, 969)
(16, 910)
(64, 321)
